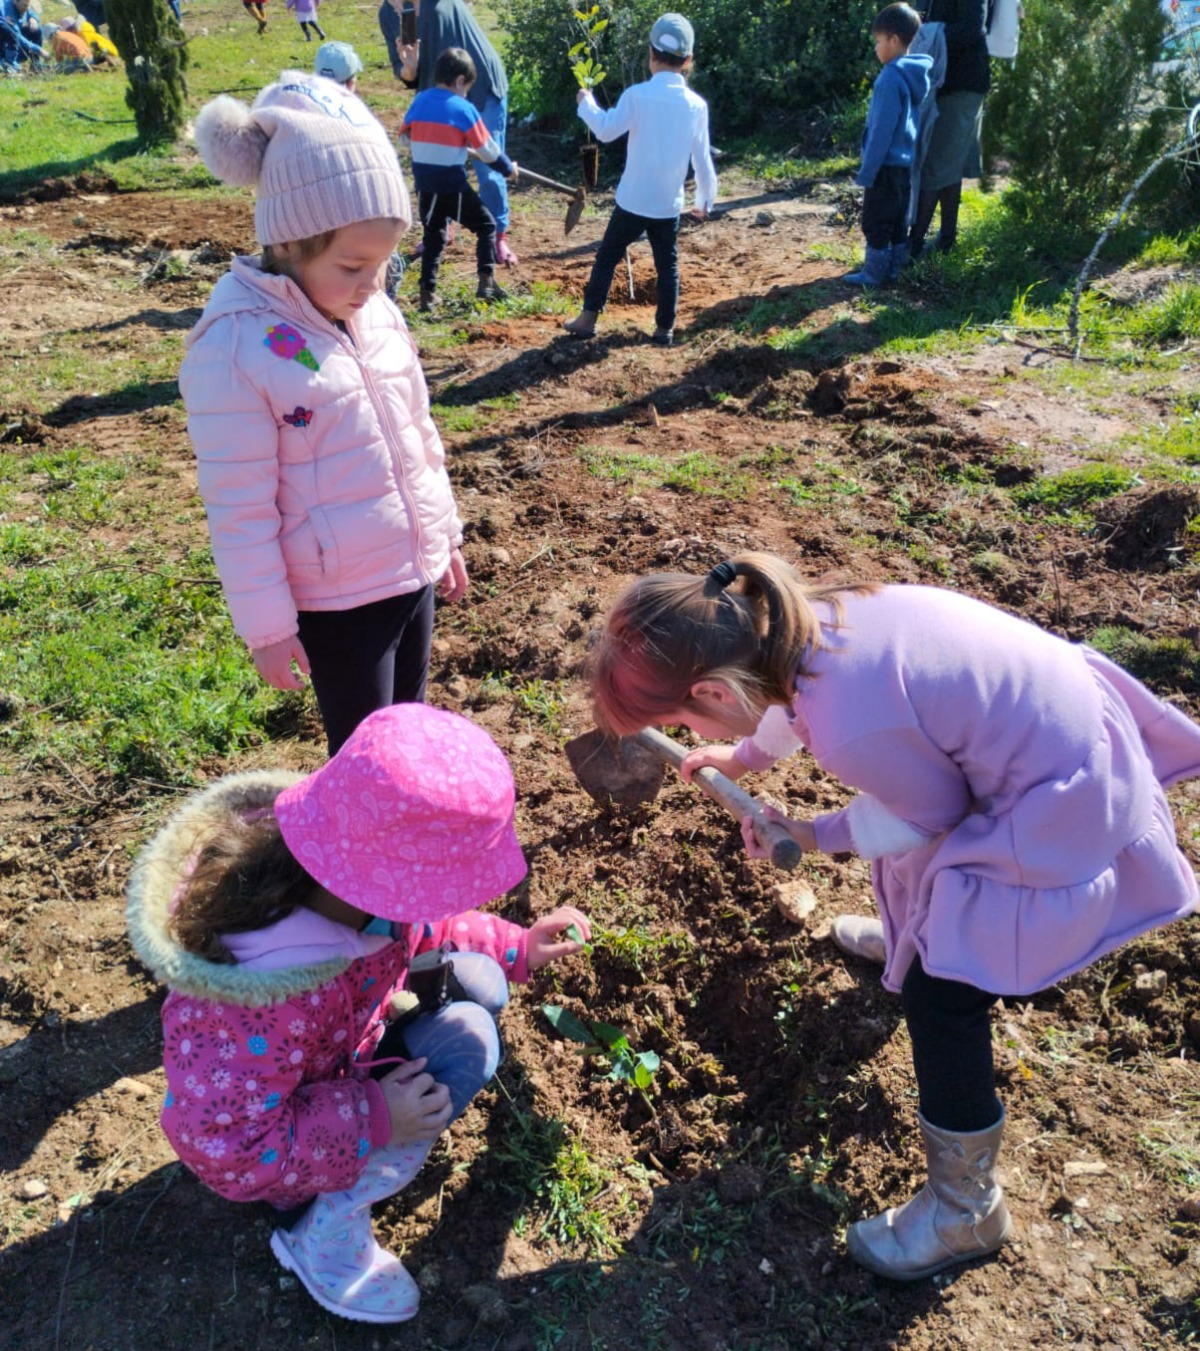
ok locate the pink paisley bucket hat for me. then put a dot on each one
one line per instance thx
(411, 820)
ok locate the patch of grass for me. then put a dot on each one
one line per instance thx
(544, 701)
(559, 1183)
(125, 664)
(1074, 488)
(695, 472)
(1173, 317)
(1162, 663)
(642, 950)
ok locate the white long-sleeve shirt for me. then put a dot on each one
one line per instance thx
(668, 125)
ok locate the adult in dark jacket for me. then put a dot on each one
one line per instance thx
(450, 23)
(954, 145)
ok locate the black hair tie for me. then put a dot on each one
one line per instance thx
(723, 575)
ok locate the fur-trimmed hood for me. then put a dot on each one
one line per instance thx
(156, 876)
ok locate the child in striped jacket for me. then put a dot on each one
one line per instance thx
(442, 129)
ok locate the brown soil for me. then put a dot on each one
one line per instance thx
(785, 1106)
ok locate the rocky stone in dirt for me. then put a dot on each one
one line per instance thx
(487, 1302)
(134, 1087)
(32, 1189)
(14, 1061)
(1150, 984)
(1189, 1208)
(795, 900)
(739, 1183)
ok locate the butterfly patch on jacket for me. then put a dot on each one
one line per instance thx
(299, 417)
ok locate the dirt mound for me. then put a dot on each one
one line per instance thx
(1147, 528)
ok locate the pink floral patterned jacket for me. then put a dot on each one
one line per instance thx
(268, 1093)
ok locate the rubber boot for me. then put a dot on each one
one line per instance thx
(332, 1250)
(487, 288)
(583, 325)
(898, 260)
(874, 271)
(922, 220)
(958, 1215)
(859, 937)
(427, 301)
(949, 199)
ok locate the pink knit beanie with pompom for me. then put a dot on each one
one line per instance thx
(316, 154)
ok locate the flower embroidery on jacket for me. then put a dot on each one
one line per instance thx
(287, 343)
(300, 418)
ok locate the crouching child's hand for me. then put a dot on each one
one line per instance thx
(544, 945)
(418, 1105)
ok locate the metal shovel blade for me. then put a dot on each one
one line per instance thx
(617, 771)
(574, 211)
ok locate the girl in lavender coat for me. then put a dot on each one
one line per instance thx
(284, 914)
(1010, 799)
(324, 479)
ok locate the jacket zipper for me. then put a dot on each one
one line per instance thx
(392, 444)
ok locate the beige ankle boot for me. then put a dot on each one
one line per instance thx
(858, 936)
(583, 325)
(958, 1214)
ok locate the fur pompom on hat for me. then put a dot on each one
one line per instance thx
(317, 155)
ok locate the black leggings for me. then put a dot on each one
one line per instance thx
(951, 1031)
(367, 658)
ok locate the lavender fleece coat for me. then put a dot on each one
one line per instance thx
(321, 471)
(267, 1096)
(1010, 787)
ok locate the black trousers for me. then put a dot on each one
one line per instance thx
(367, 658)
(623, 228)
(951, 1031)
(885, 207)
(437, 210)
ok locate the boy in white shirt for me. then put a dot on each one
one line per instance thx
(668, 127)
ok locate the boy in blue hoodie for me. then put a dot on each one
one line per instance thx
(889, 142)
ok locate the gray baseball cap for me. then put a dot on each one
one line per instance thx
(337, 61)
(674, 35)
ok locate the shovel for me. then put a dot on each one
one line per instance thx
(577, 195)
(629, 771)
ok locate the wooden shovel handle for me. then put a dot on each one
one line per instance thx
(785, 852)
(549, 182)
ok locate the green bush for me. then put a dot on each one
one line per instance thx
(786, 56)
(1077, 115)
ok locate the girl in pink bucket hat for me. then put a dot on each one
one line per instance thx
(306, 1064)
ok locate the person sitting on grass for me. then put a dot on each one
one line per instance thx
(442, 129)
(889, 143)
(668, 127)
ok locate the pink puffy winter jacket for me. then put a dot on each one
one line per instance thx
(321, 470)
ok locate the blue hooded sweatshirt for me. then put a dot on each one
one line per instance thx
(894, 116)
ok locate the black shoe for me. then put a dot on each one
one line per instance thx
(663, 337)
(488, 290)
(427, 302)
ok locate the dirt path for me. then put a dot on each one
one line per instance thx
(712, 1213)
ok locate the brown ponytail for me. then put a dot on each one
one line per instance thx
(748, 623)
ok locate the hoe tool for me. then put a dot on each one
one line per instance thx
(628, 771)
(577, 195)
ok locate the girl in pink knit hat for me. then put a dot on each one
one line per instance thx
(287, 915)
(329, 508)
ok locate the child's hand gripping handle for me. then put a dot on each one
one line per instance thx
(785, 852)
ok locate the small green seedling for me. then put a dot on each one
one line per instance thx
(607, 1042)
(576, 937)
(587, 69)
